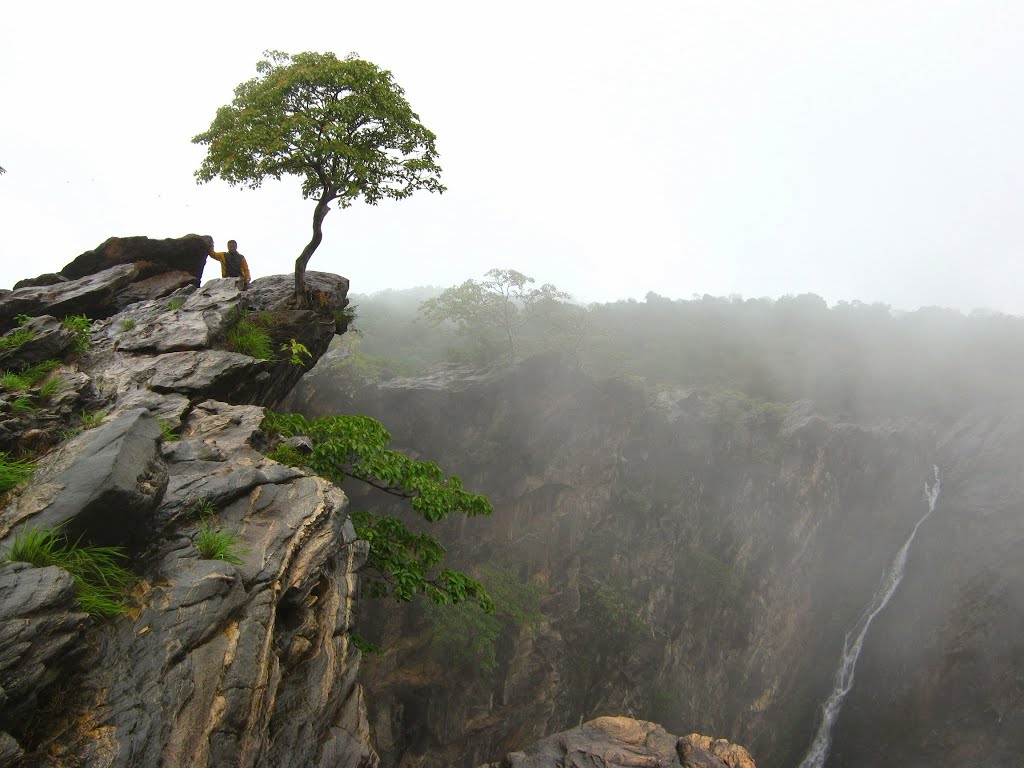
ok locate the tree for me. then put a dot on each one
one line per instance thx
(503, 303)
(402, 563)
(343, 126)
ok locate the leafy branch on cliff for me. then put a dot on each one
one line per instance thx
(403, 563)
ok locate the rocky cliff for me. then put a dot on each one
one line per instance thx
(701, 557)
(150, 433)
(142, 430)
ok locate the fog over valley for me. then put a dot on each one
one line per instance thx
(520, 385)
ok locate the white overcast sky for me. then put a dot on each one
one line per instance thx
(857, 149)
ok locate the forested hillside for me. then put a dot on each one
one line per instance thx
(862, 360)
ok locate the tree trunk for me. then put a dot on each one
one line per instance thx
(322, 207)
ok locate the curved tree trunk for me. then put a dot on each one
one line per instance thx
(322, 207)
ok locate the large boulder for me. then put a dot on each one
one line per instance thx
(48, 339)
(622, 742)
(151, 257)
(93, 295)
(105, 280)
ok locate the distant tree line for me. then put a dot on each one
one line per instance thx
(854, 358)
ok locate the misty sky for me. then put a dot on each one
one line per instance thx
(857, 149)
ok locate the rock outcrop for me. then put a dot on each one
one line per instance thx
(100, 282)
(215, 662)
(627, 743)
(150, 440)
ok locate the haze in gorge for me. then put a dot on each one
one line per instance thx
(717, 514)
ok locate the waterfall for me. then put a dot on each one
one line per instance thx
(818, 752)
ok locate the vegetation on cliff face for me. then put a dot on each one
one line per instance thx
(343, 126)
(101, 583)
(403, 563)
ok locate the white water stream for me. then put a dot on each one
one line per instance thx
(819, 749)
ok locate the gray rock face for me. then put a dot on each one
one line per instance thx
(40, 626)
(50, 340)
(102, 487)
(622, 742)
(215, 663)
(93, 295)
(157, 329)
(227, 664)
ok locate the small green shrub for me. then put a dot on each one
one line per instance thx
(127, 325)
(346, 316)
(82, 326)
(101, 584)
(364, 645)
(250, 339)
(13, 471)
(296, 349)
(176, 303)
(218, 544)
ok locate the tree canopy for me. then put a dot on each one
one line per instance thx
(342, 126)
(503, 303)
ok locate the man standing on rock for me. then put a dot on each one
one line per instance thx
(232, 263)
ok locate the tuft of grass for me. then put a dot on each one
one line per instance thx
(176, 303)
(248, 338)
(285, 454)
(27, 377)
(23, 404)
(13, 471)
(101, 584)
(13, 382)
(167, 433)
(92, 419)
(218, 544)
(127, 325)
(50, 388)
(202, 509)
(16, 338)
(67, 434)
(36, 373)
(82, 326)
